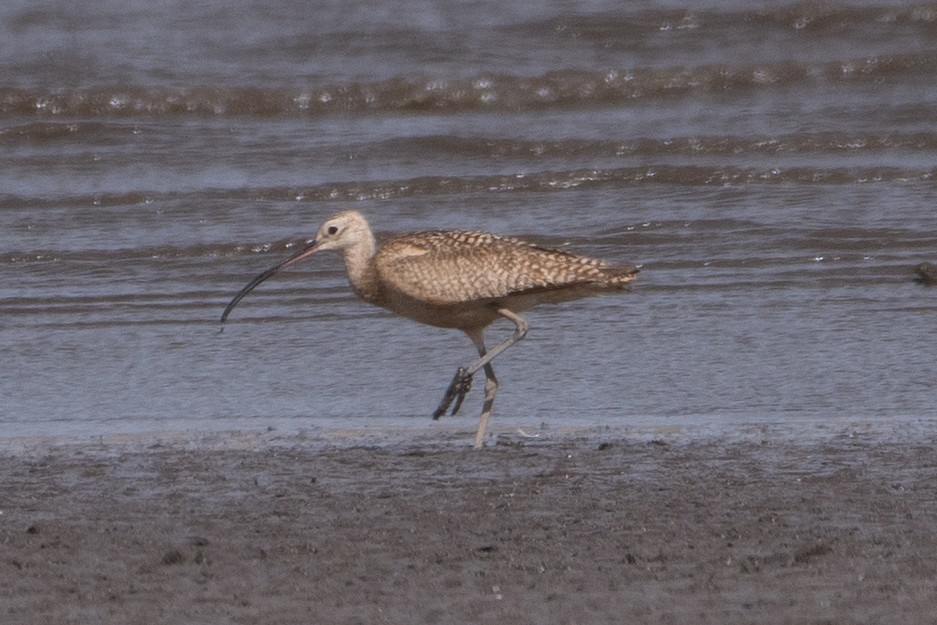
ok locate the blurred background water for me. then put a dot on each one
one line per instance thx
(769, 165)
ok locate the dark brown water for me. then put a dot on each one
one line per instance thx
(770, 165)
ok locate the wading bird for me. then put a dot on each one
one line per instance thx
(462, 280)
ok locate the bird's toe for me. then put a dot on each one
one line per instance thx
(460, 386)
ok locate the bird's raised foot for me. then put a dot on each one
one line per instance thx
(458, 388)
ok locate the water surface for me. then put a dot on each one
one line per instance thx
(770, 166)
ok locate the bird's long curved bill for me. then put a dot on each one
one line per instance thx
(306, 252)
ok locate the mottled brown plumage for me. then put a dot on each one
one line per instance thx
(463, 280)
(458, 267)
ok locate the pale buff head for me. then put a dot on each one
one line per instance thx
(342, 231)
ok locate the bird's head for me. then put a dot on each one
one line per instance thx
(345, 231)
(342, 231)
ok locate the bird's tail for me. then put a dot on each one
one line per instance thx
(621, 275)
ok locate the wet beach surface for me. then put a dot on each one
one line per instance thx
(769, 525)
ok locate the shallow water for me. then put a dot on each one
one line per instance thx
(770, 168)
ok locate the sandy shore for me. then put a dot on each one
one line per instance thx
(581, 527)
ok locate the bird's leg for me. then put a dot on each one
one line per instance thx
(491, 387)
(485, 357)
(463, 378)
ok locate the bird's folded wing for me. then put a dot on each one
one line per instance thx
(454, 267)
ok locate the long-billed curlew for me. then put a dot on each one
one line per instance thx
(463, 280)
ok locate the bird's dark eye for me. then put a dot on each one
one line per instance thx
(332, 230)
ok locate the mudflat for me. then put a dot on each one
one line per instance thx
(773, 526)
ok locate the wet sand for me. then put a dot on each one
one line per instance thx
(771, 525)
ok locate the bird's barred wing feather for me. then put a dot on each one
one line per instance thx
(446, 267)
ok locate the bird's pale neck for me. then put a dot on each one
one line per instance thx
(361, 273)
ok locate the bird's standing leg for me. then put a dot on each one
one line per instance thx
(462, 381)
(491, 387)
